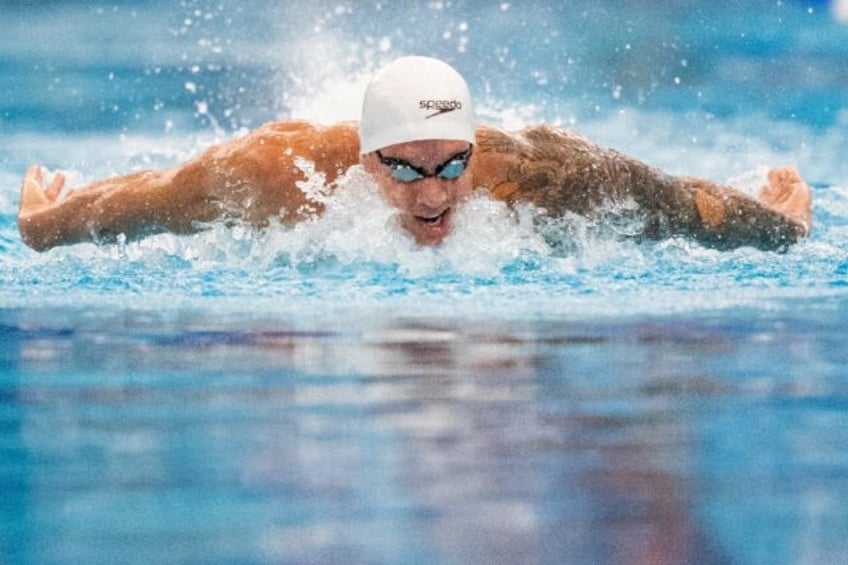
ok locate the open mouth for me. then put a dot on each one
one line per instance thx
(434, 221)
(431, 230)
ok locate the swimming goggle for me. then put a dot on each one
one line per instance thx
(404, 171)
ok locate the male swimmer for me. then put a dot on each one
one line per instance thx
(419, 140)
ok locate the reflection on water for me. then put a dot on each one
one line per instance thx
(289, 414)
(177, 436)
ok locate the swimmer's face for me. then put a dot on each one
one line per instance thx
(425, 181)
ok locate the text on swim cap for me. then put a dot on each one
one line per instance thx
(441, 106)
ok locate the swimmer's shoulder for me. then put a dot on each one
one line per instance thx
(497, 155)
(331, 147)
(298, 130)
(529, 140)
(534, 163)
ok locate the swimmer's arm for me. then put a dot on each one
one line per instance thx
(132, 205)
(253, 178)
(723, 217)
(563, 172)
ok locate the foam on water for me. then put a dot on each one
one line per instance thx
(355, 261)
(354, 258)
(499, 260)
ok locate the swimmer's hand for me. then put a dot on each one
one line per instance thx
(34, 195)
(38, 203)
(788, 194)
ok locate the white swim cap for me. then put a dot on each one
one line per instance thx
(413, 99)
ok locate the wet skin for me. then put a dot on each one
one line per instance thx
(426, 206)
(256, 179)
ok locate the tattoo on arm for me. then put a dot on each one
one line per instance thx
(561, 172)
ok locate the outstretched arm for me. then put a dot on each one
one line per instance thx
(253, 178)
(564, 172)
(132, 205)
(723, 217)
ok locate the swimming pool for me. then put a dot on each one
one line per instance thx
(333, 394)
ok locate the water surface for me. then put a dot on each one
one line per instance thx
(331, 393)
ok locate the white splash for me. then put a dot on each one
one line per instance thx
(358, 226)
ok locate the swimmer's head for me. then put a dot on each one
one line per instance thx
(416, 99)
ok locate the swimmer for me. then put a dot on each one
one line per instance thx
(419, 141)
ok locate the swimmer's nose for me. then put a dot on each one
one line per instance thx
(432, 193)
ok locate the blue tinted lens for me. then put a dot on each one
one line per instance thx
(453, 170)
(405, 173)
(402, 171)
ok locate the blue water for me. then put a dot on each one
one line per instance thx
(331, 393)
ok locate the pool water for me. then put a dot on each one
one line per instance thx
(529, 392)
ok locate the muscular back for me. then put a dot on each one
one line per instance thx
(257, 177)
(553, 168)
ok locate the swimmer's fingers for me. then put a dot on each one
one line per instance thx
(787, 193)
(33, 194)
(778, 178)
(52, 191)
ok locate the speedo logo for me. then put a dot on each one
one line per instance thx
(440, 107)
